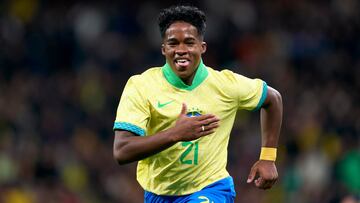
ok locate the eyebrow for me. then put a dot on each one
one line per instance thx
(186, 39)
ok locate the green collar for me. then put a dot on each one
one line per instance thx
(173, 79)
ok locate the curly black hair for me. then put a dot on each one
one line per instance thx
(189, 14)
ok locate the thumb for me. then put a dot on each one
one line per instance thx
(252, 175)
(183, 109)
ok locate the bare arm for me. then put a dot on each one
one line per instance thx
(271, 119)
(128, 147)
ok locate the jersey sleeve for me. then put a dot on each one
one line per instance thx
(133, 111)
(251, 92)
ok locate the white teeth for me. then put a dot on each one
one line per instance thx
(182, 62)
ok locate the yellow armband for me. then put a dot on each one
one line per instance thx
(268, 153)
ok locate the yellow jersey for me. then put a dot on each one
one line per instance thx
(152, 101)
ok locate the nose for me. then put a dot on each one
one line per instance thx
(181, 50)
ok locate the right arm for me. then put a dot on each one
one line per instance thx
(129, 147)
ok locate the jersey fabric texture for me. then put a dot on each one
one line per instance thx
(221, 191)
(151, 103)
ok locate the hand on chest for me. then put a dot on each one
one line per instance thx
(169, 107)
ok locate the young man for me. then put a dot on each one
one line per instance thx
(176, 119)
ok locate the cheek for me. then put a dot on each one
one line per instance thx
(196, 52)
(198, 49)
(168, 52)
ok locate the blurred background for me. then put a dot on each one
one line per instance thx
(63, 66)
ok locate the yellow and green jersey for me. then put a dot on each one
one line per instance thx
(151, 103)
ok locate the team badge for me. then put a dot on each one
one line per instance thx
(192, 112)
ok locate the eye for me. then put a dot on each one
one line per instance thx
(172, 44)
(190, 42)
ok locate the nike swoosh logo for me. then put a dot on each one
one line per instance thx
(161, 105)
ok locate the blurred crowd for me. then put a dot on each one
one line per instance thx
(63, 66)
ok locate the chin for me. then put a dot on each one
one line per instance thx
(182, 74)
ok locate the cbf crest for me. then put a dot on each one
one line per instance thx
(192, 112)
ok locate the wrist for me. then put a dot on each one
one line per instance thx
(172, 134)
(268, 153)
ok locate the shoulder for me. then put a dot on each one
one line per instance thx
(151, 72)
(224, 76)
(147, 76)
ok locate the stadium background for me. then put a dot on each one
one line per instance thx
(63, 66)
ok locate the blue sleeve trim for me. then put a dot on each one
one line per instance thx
(263, 97)
(129, 127)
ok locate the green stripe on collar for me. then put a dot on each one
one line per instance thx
(173, 79)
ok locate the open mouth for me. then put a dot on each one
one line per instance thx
(182, 62)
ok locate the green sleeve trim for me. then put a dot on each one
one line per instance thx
(263, 97)
(129, 127)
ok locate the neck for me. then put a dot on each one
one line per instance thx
(190, 79)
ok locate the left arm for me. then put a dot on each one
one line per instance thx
(264, 171)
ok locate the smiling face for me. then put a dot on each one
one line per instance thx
(182, 47)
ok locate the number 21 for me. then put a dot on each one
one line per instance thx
(189, 148)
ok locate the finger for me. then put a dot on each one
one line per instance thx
(211, 126)
(268, 185)
(208, 132)
(251, 175)
(265, 184)
(209, 120)
(258, 182)
(205, 116)
(269, 182)
(183, 109)
(272, 182)
(261, 183)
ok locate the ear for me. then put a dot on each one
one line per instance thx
(163, 49)
(203, 47)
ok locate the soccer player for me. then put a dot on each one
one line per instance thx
(176, 119)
